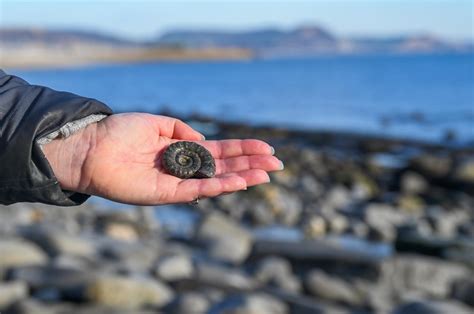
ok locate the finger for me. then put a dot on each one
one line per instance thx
(189, 190)
(235, 164)
(183, 131)
(254, 176)
(233, 148)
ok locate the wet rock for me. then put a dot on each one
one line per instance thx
(413, 183)
(463, 290)
(249, 304)
(174, 267)
(222, 277)
(11, 292)
(15, 252)
(225, 239)
(127, 292)
(190, 303)
(56, 242)
(277, 272)
(432, 307)
(426, 275)
(330, 288)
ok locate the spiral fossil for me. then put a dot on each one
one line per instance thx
(188, 160)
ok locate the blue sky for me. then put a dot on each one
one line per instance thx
(452, 19)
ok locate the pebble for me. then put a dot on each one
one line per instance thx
(226, 240)
(16, 252)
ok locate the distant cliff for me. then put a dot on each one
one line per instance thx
(28, 47)
(311, 40)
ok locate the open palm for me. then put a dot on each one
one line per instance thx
(124, 164)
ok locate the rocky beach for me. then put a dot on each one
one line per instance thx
(354, 224)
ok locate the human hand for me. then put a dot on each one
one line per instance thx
(119, 158)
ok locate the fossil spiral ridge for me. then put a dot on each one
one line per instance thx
(188, 160)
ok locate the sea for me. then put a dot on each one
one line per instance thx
(421, 97)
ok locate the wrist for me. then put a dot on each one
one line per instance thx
(67, 158)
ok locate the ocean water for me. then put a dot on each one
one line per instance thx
(417, 97)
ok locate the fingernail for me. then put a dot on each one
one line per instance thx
(272, 150)
(203, 137)
(282, 166)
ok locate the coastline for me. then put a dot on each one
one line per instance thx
(45, 57)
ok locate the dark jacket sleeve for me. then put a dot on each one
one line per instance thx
(29, 112)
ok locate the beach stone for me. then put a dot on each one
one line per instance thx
(226, 240)
(190, 303)
(16, 252)
(382, 219)
(56, 242)
(432, 307)
(276, 271)
(222, 277)
(139, 256)
(11, 292)
(32, 306)
(261, 214)
(285, 205)
(127, 292)
(465, 171)
(411, 204)
(50, 279)
(432, 165)
(322, 285)
(174, 267)
(124, 226)
(463, 290)
(413, 183)
(337, 197)
(427, 275)
(315, 227)
(257, 303)
(337, 224)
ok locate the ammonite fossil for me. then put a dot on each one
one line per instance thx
(189, 160)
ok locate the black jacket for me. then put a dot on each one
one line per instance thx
(29, 112)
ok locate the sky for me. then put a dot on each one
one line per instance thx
(451, 19)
